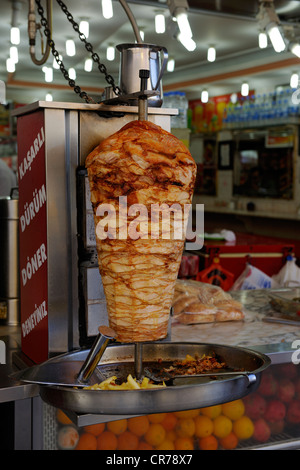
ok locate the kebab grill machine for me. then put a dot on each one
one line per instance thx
(62, 299)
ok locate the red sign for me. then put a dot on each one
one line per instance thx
(33, 236)
(208, 117)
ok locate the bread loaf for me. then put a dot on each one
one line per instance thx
(198, 302)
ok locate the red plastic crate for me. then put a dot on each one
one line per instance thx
(265, 253)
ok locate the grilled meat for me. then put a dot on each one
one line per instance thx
(147, 166)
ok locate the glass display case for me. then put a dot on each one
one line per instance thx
(263, 163)
(204, 151)
(253, 170)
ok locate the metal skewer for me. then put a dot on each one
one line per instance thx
(138, 360)
(105, 335)
(143, 101)
(166, 376)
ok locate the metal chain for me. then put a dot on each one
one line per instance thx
(88, 47)
(55, 53)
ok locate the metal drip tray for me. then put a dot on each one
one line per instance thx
(118, 359)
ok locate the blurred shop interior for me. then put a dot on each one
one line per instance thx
(234, 78)
(239, 120)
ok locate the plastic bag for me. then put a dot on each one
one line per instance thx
(289, 275)
(227, 235)
(253, 278)
(199, 302)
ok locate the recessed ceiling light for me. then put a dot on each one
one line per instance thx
(294, 80)
(110, 53)
(48, 71)
(72, 73)
(15, 35)
(107, 9)
(204, 96)
(211, 54)
(88, 65)
(171, 65)
(245, 89)
(70, 47)
(160, 24)
(13, 53)
(10, 65)
(84, 27)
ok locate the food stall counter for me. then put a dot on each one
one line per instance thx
(260, 329)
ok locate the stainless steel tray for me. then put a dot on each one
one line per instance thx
(118, 359)
(286, 302)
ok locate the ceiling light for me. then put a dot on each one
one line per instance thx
(15, 35)
(72, 73)
(13, 53)
(183, 24)
(276, 37)
(187, 42)
(48, 71)
(211, 54)
(55, 64)
(110, 53)
(70, 47)
(84, 28)
(49, 97)
(269, 23)
(233, 98)
(178, 10)
(204, 96)
(107, 9)
(142, 34)
(88, 65)
(171, 65)
(245, 89)
(294, 80)
(295, 48)
(10, 65)
(262, 40)
(160, 24)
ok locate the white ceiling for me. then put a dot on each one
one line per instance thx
(230, 25)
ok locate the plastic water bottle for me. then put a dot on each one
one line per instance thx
(182, 110)
(258, 107)
(225, 118)
(267, 109)
(251, 112)
(270, 108)
(246, 111)
(284, 111)
(277, 111)
(293, 105)
(278, 107)
(177, 100)
(169, 101)
(175, 120)
(254, 112)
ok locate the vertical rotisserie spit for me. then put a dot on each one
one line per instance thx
(135, 175)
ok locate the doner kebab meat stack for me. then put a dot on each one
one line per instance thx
(149, 166)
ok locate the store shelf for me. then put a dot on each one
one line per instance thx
(282, 441)
(225, 209)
